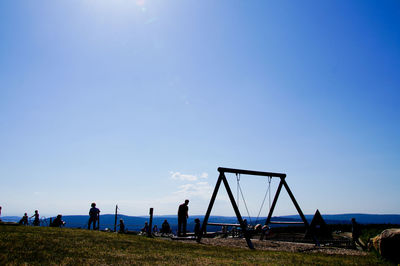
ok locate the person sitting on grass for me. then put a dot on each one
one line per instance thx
(145, 229)
(165, 228)
(57, 222)
(24, 219)
(155, 229)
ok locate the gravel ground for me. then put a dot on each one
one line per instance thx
(280, 246)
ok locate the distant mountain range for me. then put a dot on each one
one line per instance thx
(135, 223)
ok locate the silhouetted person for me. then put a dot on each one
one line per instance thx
(356, 232)
(57, 222)
(24, 219)
(0, 213)
(165, 227)
(121, 226)
(94, 214)
(36, 221)
(146, 228)
(183, 215)
(155, 229)
(197, 227)
(224, 230)
(245, 223)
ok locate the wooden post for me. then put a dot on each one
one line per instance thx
(151, 222)
(237, 212)
(296, 204)
(116, 218)
(274, 203)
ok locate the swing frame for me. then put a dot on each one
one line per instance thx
(246, 233)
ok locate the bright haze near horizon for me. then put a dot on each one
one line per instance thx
(137, 103)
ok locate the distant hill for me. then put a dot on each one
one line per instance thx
(360, 217)
(135, 223)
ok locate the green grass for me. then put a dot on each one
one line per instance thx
(43, 245)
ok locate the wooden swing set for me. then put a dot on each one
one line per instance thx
(242, 224)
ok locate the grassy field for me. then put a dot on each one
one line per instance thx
(34, 245)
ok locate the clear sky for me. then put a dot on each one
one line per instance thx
(139, 102)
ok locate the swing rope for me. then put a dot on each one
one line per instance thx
(245, 205)
(269, 188)
(239, 191)
(237, 188)
(265, 196)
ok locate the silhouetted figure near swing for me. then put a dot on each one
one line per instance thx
(165, 228)
(24, 219)
(155, 229)
(94, 214)
(121, 226)
(145, 229)
(58, 222)
(36, 221)
(197, 227)
(356, 233)
(183, 215)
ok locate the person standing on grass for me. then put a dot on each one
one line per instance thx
(0, 213)
(36, 221)
(121, 226)
(94, 214)
(183, 215)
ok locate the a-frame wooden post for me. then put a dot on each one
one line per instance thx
(222, 178)
(278, 191)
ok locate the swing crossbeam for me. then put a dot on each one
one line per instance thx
(250, 172)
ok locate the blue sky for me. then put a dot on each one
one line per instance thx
(138, 103)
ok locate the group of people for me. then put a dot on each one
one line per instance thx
(57, 222)
(183, 215)
(165, 228)
(94, 220)
(25, 219)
